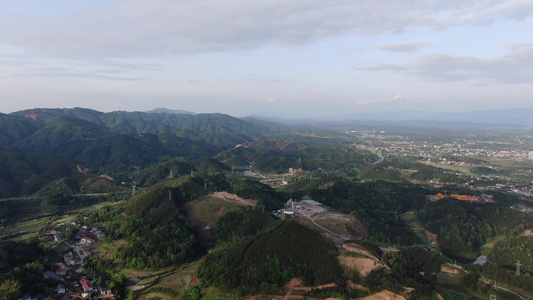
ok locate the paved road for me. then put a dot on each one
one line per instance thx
(502, 288)
(325, 229)
(380, 157)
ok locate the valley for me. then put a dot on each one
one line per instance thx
(172, 206)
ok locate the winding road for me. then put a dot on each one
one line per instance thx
(380, 157)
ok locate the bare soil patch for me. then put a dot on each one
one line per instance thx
(489, 245)
(358, 249)
(233, 198)
(361, 264)
(449, 270)
(384, 295)
(203, 213)
(432, 237)
(296, 289)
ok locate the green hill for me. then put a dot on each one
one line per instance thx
(23, 173)
(63, 136)
(15, 128)
(263, 255)
(176, 168)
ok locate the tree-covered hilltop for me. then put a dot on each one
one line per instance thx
(120, 142)
(150, 223)
(100, 147)
(15, 128)
(215, 129)
(153, 222)
(463, 227)
(261, 255)
(465, 230)
(378, 204)
(21, 268)
(23, 173)
(310, 155)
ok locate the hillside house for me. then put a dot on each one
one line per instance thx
(61, 289)
(87, 240)
(105, 292)
(52, 275)
(481, 260)
(61, 272)
(69, 259)
(86, 286)
(58, 238)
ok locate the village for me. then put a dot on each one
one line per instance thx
(73, 281)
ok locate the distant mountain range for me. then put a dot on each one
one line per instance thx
(506, 117)
(161, 110)
(40, 145)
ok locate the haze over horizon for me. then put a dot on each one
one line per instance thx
(299, 60)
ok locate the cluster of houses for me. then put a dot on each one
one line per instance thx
(70, 269)
(88, 289)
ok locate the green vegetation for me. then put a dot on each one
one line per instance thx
(71, 161)
(19, 262)
(264, 257)
(465, 226)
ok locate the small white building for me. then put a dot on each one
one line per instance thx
(481, 260)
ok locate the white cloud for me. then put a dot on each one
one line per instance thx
(402, 47)
(516, 66)
(273, 100)
(397, 98)
(133, 28)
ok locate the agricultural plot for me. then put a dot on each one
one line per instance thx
(37, 220)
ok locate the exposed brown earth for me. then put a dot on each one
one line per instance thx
(233, 198)
(363, 265)
(384, 295)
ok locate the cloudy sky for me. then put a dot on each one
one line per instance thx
(298, 58)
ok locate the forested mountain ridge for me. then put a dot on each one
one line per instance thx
(120, 141)
(147, 122)
(15, 128)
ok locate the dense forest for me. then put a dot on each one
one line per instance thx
(265, 255)
(467, 226)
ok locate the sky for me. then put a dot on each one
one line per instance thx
(291, 59)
